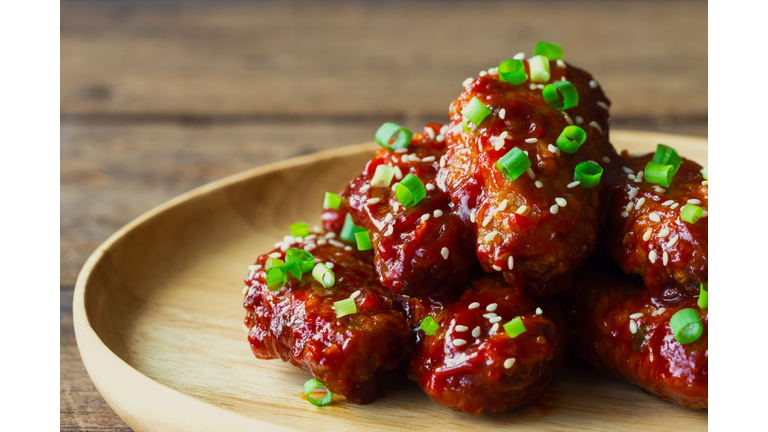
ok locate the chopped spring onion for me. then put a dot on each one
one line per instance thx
(513, 164)
(548, 50)
(666, 155)
(410, 190)
(465, 127)
(349, 229)
(571, 139)
(392, 136)
(429, 325)
(324, 275)
(686, 325)
(332, 201)
(299, 229)
(539, 66)
(705, 173)
(273, 262)
(703, 295)
(276, 278)
(659, 174)
(515, 327)
(345, 307)
(569, 98)
(363, 239)
(383, 176)
(293, 268)
(691, 213)
(512, 71)
(304, 258)
(313, 384)
(475, 111)
(587, 174)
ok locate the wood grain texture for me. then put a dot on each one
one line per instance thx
(158, 316)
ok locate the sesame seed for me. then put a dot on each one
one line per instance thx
(254, 267)
(495, 319)
(631, 176)
(638, 180)
(461, 328)
(665, 258)
(632, 326)
(572, 185)
(275, 255)
(442, 161)
(355, 294)
(567, 118)
(531, 174)
(647, 235)
(595, 125)
(539, 184)
(579, 120)
(694, 201)
(504, 135)
(490, 315)
(373, 200)
(495, 267)
(661, 310)
(522, 209)
(628, 170)
(502, 206)
(636, 315)
(311, 237)
(624, 214)
(413, 157)
(487, 219)
(663, 233)
(444, 252)
(531, 140)
(402, 150)
(532, 86)
(443, 129)
(667, 203)
(474, 305)
(322, 242)
(561, 202)
(632, 193)
(347, 248)
(602, 105)
(674, 206)
(329, 265)
(629, 206)
(560, 63)
(508, 363)
(336, 243)
(406, 159)
(459, 342)
(640, 202)
(654, 217)
(472, 216)
(330, 234)
(398, 173)
(428, 159)
(552, 148)
(467, 82)
(440, 138)
(495, 328)
(437, 213)
(672, 241)
(554, 209)
(502, 113)
(388, 217)
(310, 247)
(539, 311)
(289, 240)
(483, 73)
(511, 262)
(364, 188)
(660, 190)
(540, 86)
(705, 182)
(245, 290)
(592, 84)
(704, 213)
(424, 217)
(278, 244)
(476, 331)
(606, 159)
(640, 174)
(389, 231)
(652, 256)
(519, 56)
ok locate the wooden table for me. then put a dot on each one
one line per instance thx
(159, 99)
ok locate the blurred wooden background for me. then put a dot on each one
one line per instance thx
(160, 97)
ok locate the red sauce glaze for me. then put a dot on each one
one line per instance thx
(687, 264)
(544, 246)
(598, 309)
(298, 324)
(408, 248)
(472, 377)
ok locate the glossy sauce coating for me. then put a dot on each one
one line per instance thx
(298, 324)
(632, 235)
(599, 309)
(474, 376)
(545, 245)
(419, 249)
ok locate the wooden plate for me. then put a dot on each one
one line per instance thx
(158, 317)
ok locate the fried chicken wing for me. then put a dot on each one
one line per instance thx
(622, 330)
(537, 228)
(470, 363)
(298, 323)
(645, 234)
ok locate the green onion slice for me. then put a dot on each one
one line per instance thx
(392, 136)
(313, 384)
(299, 229)
(666, 155)
(703, 295)
(539, 66)
(587, 174)
(276, 278)
(513, 164)
(273, 262)
(705, 173)
(363, 239)
(345, 307)
(410, 190)
(383, 176)
(512, 71)
(691, 213)
(332, 201)
(571, 139)
(569, 98)
(349, 229)
(686, 325)
(464, 126)
(324, 275)
(548, 50)
(515, 327)
(659, 174)
(304, 258)
(429, 325)
(475, 111)
(293, 268)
